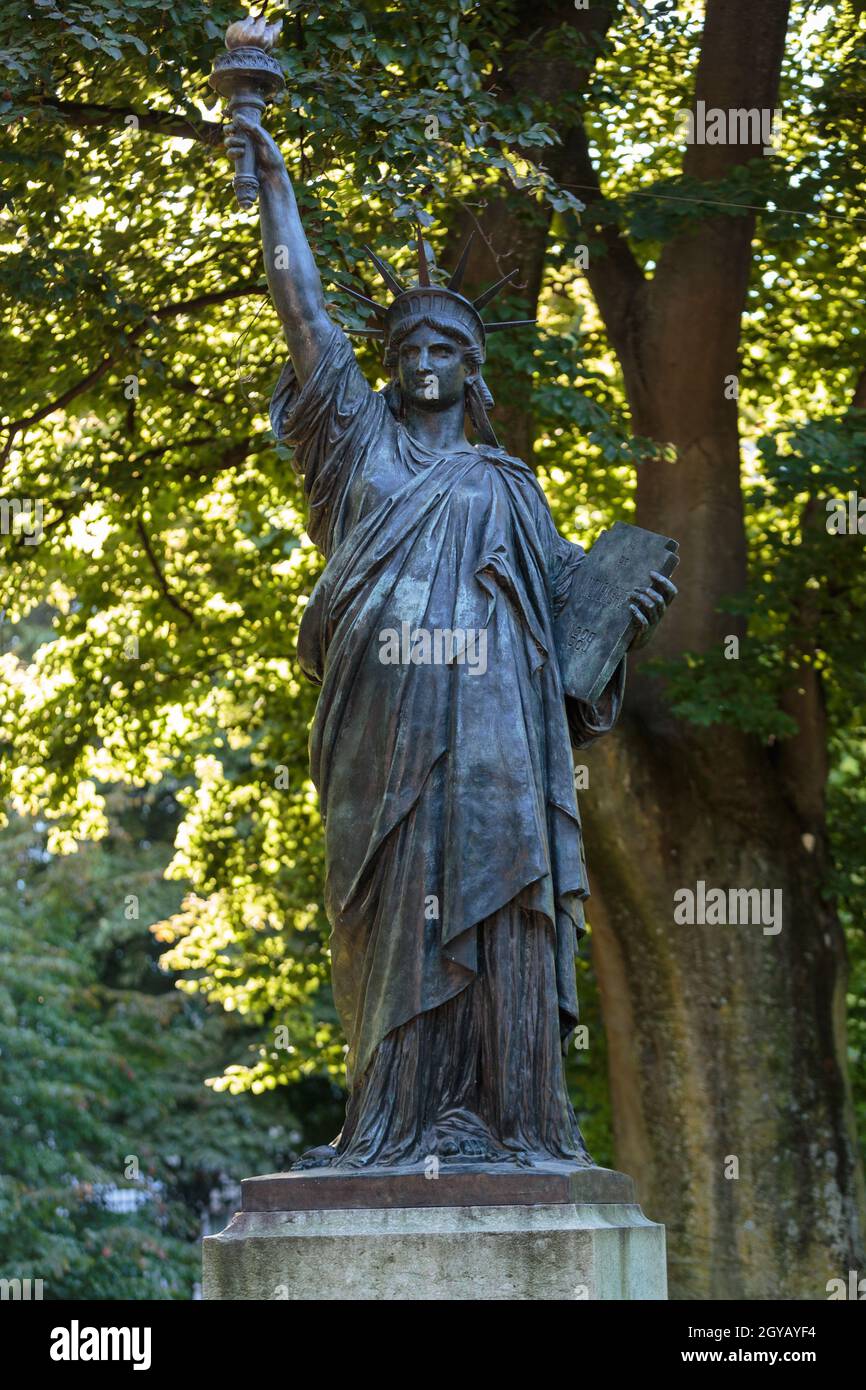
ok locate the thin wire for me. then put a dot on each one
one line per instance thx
(716, 203)
(797, 283)
(237, 346)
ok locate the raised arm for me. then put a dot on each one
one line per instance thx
(294, 281)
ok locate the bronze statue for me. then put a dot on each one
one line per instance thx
(441, 746)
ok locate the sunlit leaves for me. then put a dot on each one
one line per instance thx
(165, 594)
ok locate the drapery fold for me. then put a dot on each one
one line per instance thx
(447, 790)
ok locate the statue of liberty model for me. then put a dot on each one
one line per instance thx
(455, 872)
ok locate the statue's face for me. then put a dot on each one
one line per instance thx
(432, 369)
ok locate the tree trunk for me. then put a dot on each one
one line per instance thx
(726, 1043)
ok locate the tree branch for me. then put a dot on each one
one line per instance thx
(83, 115)
(615, 276)
(742, 48)
(804, 760)
(160, 577)
(167, 311)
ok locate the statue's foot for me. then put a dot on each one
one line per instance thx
(321, 1157)
(459, 1134)
(464, 1147)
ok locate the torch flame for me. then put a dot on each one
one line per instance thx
(253, 33)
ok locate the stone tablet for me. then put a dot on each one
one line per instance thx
(596, 626)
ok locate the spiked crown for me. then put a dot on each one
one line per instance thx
(425, 298)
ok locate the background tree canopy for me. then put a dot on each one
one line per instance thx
(697, 366)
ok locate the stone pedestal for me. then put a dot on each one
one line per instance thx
(473, 1233)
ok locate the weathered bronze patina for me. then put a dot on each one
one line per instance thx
(441, 746)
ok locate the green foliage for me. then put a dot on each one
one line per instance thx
(586, 1068)
(102, 1099)
(163, 600)
(804, 609)
(173, 567)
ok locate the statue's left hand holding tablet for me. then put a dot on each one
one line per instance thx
(649, 607)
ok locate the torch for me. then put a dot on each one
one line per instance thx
(249, 78)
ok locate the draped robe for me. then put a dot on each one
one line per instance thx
(446, 791)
